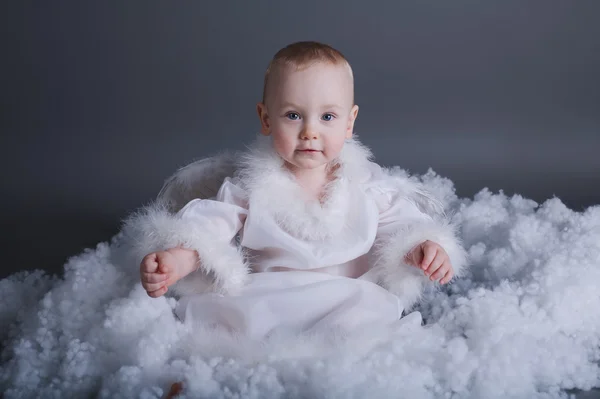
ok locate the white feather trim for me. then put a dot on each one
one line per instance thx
(154, 228)
(405, 280)
(272, 187)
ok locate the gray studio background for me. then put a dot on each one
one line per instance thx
(101, 101)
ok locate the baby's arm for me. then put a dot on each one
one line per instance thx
(409, 237)
(159, 270)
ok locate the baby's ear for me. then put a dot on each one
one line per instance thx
(265, 123)
(351, 120)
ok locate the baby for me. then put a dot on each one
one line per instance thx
(307, 233)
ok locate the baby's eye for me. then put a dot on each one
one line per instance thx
(328, 117)
(292, 116)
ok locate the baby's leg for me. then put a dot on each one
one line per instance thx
(175, 390)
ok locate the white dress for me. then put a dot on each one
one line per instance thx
(298, 284)
(306, 265)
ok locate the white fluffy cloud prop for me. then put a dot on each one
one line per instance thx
(523, 323)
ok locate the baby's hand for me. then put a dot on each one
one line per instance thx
(433, 259)
(160, 270)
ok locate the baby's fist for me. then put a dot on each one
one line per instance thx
(433, 260)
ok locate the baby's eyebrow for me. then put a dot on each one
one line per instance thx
(330, 106)
(289, 105)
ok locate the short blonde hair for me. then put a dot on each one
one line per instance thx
(302, 55)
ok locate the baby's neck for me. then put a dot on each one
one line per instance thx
(313, 181)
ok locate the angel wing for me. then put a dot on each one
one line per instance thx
(200, 179)
(203, 178)
(416, 191)
(428, 204)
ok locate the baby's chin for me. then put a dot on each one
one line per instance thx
(307, 162)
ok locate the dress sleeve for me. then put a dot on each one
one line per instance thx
(222, 216)
(403, 224)
(207, 226)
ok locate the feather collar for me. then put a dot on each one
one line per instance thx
(273, 189)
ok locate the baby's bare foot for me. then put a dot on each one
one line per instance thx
(175, 390)
(160, 270)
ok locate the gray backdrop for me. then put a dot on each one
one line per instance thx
(101, 101)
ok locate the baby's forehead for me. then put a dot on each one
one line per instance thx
(341, 69)
(285, 81)
(317, 75)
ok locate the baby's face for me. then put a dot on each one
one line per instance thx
(309, 113)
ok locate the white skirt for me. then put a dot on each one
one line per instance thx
(295, 302)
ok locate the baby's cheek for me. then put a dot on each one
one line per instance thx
(281, 145)
(334, 146)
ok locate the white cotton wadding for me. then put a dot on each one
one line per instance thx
(522, 323)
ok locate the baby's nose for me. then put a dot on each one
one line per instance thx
(309, 134)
